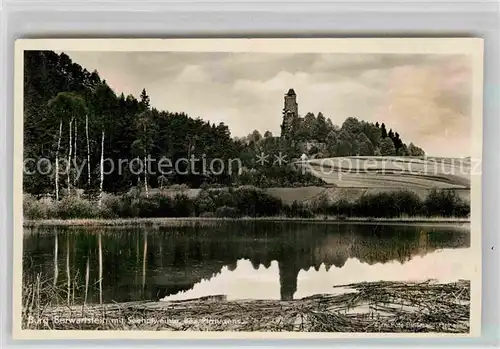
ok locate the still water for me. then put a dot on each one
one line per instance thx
(242, 260)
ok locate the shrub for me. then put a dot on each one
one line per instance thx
(204, 203)
(394, 204)
(321, 204)
(376, 205)
(298, 209)
(37, 209)
(254, 202)
(208, 215)
(409, 204)
(342, 208)
(165, 205)
(182, 206)
(111, 207)
(446, 203)
(179, 187)
(246, 201)
(75, 207)
(227, 212)
(134, 192)
(222, 197)
(462, 209)
(145, 207)
(125, 208)
(210, 199)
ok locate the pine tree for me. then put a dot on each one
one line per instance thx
(387, 147)
(383, 131)
(391, 134)
(144, 100)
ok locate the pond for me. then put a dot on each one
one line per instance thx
(242, 260)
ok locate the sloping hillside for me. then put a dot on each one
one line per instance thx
(349, 178)
(392, 172)
(334, 194)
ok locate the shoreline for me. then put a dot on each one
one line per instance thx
(384, 306)
(169, 221)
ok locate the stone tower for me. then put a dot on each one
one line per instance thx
(290, 113)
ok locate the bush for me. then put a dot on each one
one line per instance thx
(227, 212)
(246, 201)
(342, 208)
(204, 203)
(409, 203)
(210, 199)
(254, 202)
(298, 209)
(145, 207)
(37, 209)
(179, 187)
(165, 205)
(75, 207)
(182, 206)
(125, 208)
(321, 204)
(111, 207)
(446, 203)
(394, 204)
(207, 215)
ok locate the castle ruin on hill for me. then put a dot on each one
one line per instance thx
(291, 122)
(290, 114)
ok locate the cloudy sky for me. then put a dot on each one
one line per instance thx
(426, 98)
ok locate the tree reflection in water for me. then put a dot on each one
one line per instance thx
(176, 259)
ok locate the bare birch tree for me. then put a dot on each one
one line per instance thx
(104, 100)
(66, 106)
(75, 179)
(88, 147)
(101, 169)
(57, 160)
(69, 156)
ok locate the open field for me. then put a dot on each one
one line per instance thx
(393, 172)
(334, 194)
(364, 307)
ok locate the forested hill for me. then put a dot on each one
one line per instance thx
(60, 91)
(72, 114)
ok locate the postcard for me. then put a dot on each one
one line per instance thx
(247, 188)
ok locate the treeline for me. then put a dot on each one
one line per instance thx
(438, 203)
(354, 137)
(77, 131)
(72, 116)
(247, 201)
(277, 176)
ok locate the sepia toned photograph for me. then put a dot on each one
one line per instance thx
(247, 188)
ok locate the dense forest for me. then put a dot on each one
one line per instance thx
(354, 137)
(72, 116)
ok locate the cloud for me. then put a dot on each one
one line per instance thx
(426, 98)
(192, 74)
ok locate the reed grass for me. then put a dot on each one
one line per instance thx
(366, 307)
(211, 221)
